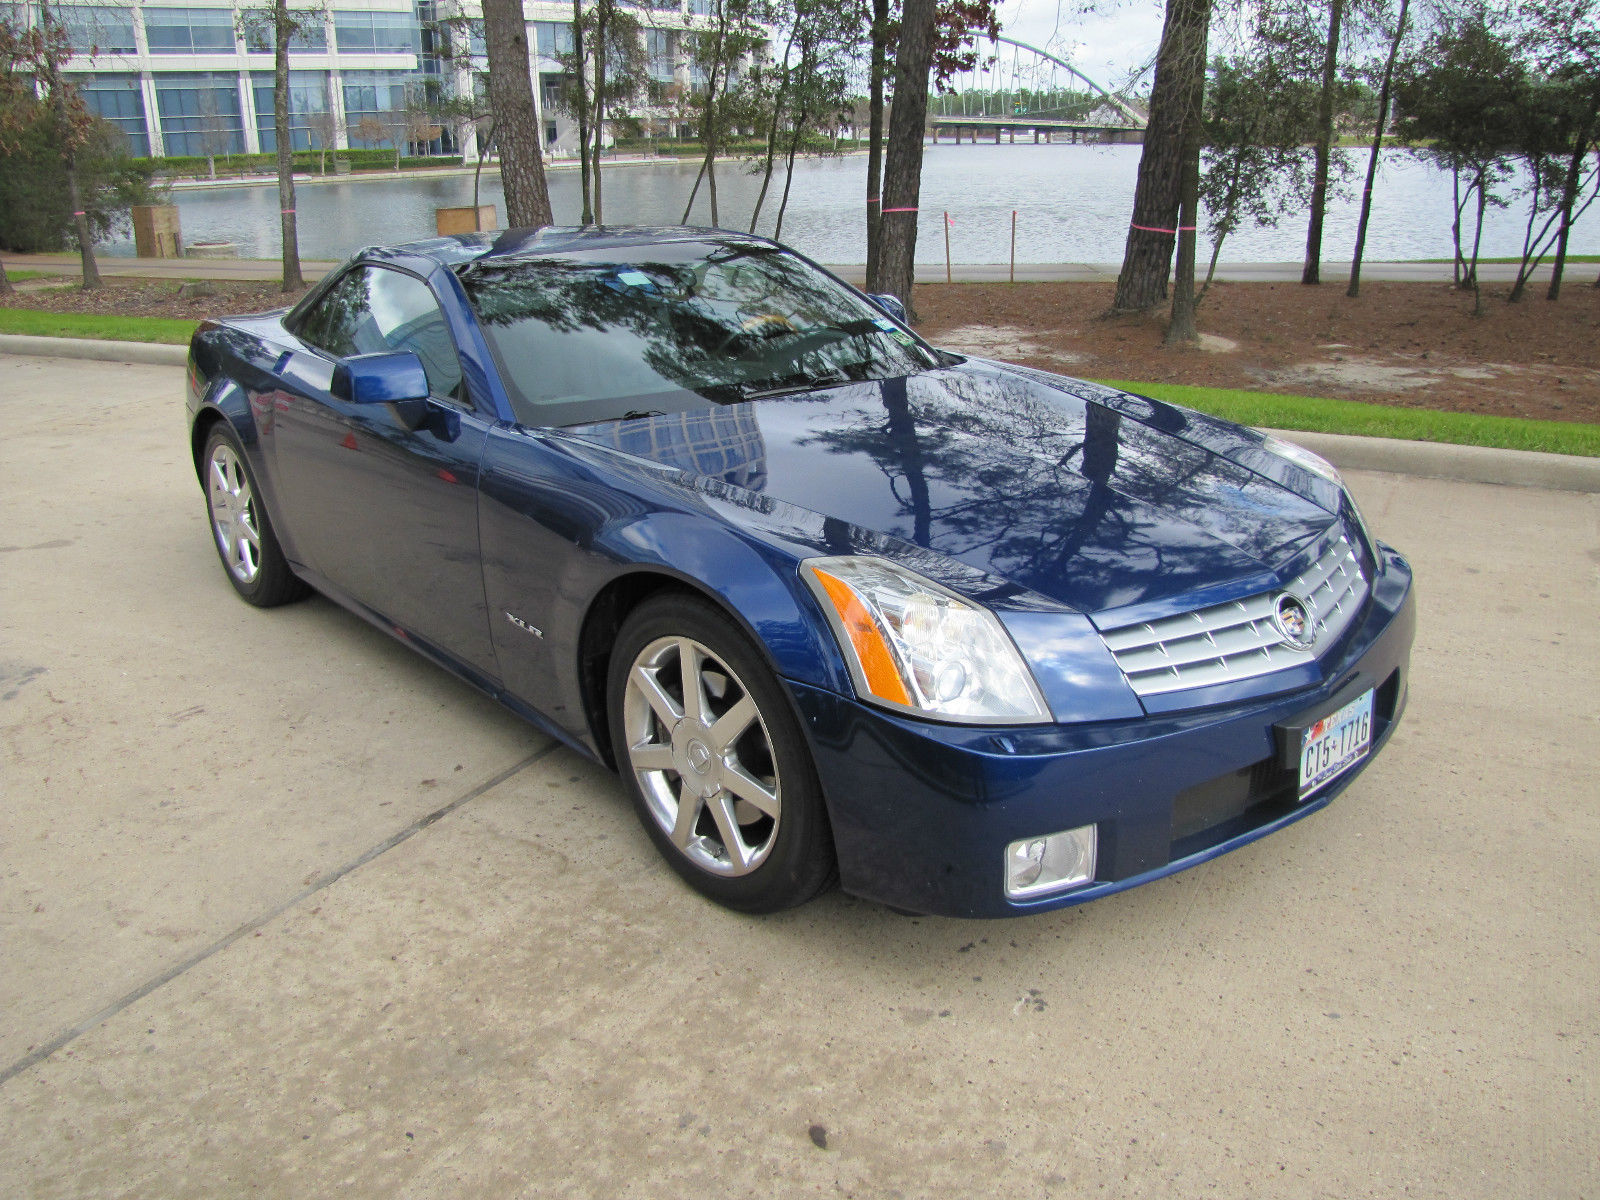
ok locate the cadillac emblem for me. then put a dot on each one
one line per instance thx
(1294, 621)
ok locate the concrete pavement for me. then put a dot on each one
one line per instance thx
(301, 914)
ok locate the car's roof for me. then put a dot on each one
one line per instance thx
(553, 241)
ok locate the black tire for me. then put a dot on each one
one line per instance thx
(782, 857)
(241, 531)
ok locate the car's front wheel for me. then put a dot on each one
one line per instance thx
(240, 529)
(714, 758)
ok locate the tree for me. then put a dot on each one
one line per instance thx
(1385, 89)
(1565, 40)
(284, 26)
(902, 175)
(1312, 271)
(1181, 327)
(735, 33)
(1147, 256)
(957, 25)
(71, 126)
(516, 120)
(1259, 119)
(807, 84)
(1460, 103)
(614, 39)
(323, 126)
(878, 72)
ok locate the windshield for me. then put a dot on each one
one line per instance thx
(581, 337)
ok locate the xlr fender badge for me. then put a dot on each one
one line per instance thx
(524, 626)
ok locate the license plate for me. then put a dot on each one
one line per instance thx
(1335, 744)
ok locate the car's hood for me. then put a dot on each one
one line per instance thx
(1094, 503)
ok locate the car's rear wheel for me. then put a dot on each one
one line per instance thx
(714, 759)
(240, 530)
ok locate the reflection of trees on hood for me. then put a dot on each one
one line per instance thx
(1034, 479)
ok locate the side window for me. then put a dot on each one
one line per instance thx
(372, 310)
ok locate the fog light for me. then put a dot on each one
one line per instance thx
(1051, 863)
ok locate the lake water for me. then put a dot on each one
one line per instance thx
(1072, 203)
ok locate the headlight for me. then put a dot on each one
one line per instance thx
(913, 645)
(1317, 465)
(1301, 457)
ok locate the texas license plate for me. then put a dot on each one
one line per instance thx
(1335, 744)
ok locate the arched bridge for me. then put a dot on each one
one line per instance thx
(1022, 89)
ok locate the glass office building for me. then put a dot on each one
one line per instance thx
(196, 79)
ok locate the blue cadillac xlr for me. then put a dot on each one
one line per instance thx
(967, 638)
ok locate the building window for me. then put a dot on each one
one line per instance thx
(118, 99)
(200, 113)
(98, 28)
(552, 88)
(308, 108)
(312, 34)
(189, 30)
(378, 98)
(376, 33)
(658, 47)
(554, 38)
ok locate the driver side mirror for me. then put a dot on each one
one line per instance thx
(386, 378)
(891, 305)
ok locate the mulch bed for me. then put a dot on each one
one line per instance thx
(1414, 345)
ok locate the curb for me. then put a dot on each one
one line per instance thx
(152, 353)
(1426, 460)
(1441, 460)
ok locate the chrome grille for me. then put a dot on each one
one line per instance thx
(1238, 640)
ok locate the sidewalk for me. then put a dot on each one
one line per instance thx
(1334, 274)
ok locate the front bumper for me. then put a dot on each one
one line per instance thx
(922, 813)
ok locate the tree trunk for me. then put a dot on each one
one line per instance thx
(1147, 257)
(69, 157)
(1312, 272)
(283, 30)
(880, 37)
(80, 223)
(902, 176)
(1477, 241)
(5, 283)
(477, 167)
(581, 103)
(516, 118)
(1377, 150)
(708, 124)
(1181, 328)
(1569, 197)
(601, 21)
(772, 135)
(788, 170)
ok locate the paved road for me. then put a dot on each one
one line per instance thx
(1334, 274)
(217, 859)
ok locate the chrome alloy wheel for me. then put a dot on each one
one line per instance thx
(700, 750)
(233, 513)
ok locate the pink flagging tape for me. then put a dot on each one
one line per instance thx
(287, 212)
(1153, 229)
(890, 210)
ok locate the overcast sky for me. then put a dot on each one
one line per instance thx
(1105, 45)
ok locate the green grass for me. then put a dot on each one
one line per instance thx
(1248, 408)
(87, 325)
(1319, 415)
(1571, 258)
(24, 276)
